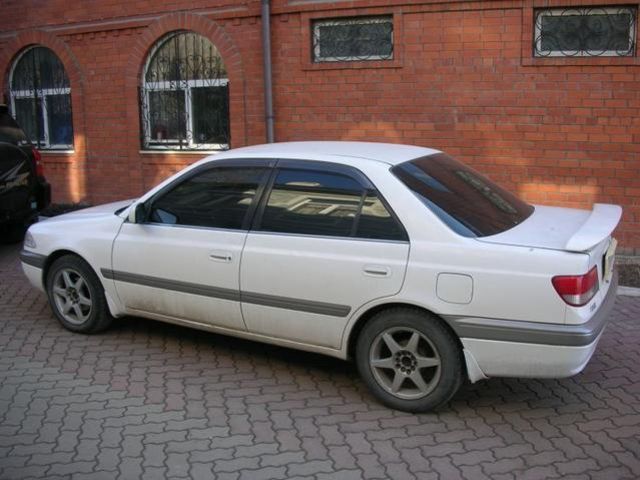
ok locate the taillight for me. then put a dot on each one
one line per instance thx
(577, 290)
(38, 160)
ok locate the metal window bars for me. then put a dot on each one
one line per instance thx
(353, 39)
(184, 96)
(40, 96)
(585, 32)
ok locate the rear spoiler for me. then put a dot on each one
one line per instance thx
(603, 220)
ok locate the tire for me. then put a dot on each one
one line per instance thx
(76, 296)
(409, 360)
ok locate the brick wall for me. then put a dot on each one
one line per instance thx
(562, 131)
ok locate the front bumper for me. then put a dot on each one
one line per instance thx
(32, 266)
(506, 348)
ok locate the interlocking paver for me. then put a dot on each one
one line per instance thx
(149, 400)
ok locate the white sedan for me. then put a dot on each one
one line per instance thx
(415, 265)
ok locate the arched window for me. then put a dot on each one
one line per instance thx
(185, 95)
(41, 98)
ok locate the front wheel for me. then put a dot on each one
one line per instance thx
(76, 296)
(409, 360)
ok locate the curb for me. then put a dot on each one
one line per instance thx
(629, 291)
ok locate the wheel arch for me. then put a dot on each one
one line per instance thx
(52, 257)
(354, 332)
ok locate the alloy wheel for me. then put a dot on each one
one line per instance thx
(72, 296)
(405, 363)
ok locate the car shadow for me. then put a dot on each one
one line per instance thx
(498, 395)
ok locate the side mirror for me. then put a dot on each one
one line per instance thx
(138, 214)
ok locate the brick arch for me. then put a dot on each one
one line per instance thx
(69, 176)
(40, 38)
(209, 29)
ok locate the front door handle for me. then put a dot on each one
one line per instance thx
(377, 271)
(220, 257)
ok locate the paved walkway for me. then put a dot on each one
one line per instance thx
(147, 400)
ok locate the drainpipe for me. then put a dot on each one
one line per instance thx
(266, 55)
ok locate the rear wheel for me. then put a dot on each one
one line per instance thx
(409, 360)
(76, 296)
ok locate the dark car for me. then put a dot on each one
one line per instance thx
(23, 189)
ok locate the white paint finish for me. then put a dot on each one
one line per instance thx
(511, 272)
(180, 254)
(508, 281)
(320, 269)
(603, 220)
(474, 372)
(89, 233)
(294, 326)
(562, 228)
(454, 288)
(528, 360)
(547, 227)
(340, 152)
(34, 275)
(307, 347)
(578, 315)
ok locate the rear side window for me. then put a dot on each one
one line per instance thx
(330, 204)
(469, 203)
(216, 198)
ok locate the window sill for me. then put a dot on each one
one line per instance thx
(180, 152)
(57, 152)
(530, 61)
(352, 64)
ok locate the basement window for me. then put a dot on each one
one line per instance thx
(353, 39)
(585, 32)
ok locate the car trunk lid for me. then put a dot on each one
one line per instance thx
(566, 229)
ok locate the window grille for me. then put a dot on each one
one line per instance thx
(40, 96)
(585, 32)
(184, 95)
(353, 39)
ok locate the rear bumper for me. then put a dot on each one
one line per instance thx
(506, 348)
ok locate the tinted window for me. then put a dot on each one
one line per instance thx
(319, 203)
(375, 221)
(467, 202)
(218, 198)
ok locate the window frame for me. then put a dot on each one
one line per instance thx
(174, 144)
(316, 23)
(40, 94)
(267, 164)
(583, 11)
(325, 167)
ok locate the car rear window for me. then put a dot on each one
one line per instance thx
(469, 203)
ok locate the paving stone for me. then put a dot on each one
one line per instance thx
(146, 400)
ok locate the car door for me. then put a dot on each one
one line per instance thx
(323, 244)
(182, 262)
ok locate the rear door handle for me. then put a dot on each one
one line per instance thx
(220, 257)
(377, 271)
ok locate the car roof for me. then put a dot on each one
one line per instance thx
(332, 151)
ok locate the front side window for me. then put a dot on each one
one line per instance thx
(588, 31)
(353, 39)
(469, 203)
(328, 204)
(40, 96)
(215, 198)
(185, 95)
